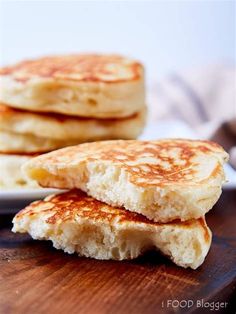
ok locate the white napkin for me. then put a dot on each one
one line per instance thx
(204, 99)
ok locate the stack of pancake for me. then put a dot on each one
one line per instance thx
(57, 101)
(127, 197)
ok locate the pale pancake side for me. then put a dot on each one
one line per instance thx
(11, 175)
(68, 128)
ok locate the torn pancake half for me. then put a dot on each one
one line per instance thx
(75, 222)
(163, 180)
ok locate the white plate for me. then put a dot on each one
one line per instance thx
(13, 200)
(26, 194)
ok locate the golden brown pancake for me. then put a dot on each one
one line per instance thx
(93, 67)
(163, 180)
(78, 223)
(92, 85)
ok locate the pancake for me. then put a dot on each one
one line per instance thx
(11, 175)
(163, 180)
(75, 222)
(90, 85)
(16, 143)
(64, 128)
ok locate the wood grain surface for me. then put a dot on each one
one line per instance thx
(36, 278)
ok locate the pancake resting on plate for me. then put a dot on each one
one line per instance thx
(78, 223)
(11, 175)
(29, 131)
(163, 180)
(90, 85)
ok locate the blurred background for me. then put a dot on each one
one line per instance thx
(188, 49)
(167, 36)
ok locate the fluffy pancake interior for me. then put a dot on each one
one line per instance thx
(78, 223)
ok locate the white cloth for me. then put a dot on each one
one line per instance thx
(205, 99)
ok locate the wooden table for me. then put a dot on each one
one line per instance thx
(35, 278)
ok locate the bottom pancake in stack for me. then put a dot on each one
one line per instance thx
(75, 222)
(11, 175)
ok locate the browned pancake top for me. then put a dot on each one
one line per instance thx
(75, 204)
(83, 67)
(146, 162)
